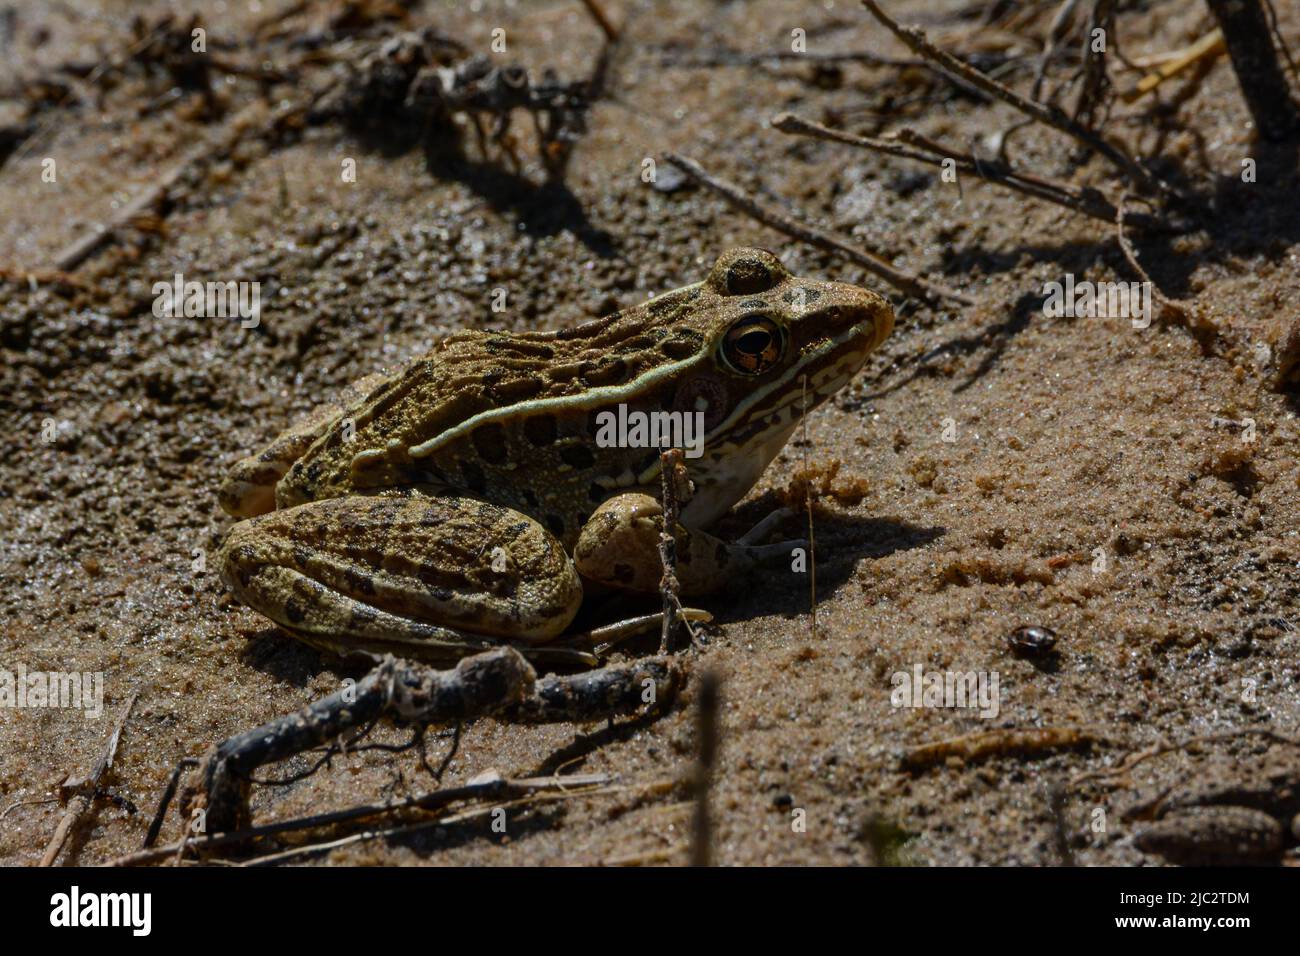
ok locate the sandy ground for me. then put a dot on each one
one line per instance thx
(1070, 435)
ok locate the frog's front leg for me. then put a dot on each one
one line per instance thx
(619, 547)
(430, 578)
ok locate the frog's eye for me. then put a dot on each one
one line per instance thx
(753, 345)
(751, 275)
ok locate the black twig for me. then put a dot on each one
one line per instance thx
(1048, 114)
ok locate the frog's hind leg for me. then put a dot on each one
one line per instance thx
(430, 578)
(249, 488)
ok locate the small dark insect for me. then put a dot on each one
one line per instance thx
(1032, 641)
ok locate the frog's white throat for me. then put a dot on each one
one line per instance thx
(726, 477)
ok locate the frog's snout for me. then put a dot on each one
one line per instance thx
(862, 313)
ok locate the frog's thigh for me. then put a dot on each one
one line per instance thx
(373, 573)
(249, 488)
(619, 546)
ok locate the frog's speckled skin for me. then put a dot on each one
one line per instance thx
(446, 522)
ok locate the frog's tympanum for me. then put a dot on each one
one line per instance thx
(463, 501)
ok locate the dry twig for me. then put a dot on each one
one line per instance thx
(488, 788)
(86, 788)
(1050, 115)
(909, 144)
(907, 282)
(1031, 740)
(1177, 306)
(674, 483)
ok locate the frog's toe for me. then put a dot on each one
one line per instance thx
(249, 489)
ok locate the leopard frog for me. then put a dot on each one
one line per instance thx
(463, 501)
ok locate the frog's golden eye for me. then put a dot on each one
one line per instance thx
(753, 345)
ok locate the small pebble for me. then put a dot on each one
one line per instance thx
(668, 179)
(1032, 641)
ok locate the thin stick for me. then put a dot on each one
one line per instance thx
(203, 154)
(911, 284)
(1263, 84)
(602, 20)
(494, 788)
(738, 58)
(272, 859)
(1209, 46)
(909, 144)
(1060, 829)
(1056, 33)
(1177, 306)
(155, 827)
(807, 500)
(1047, 114)
(86, 787)
(670, 463)
(702, 831)
(1096, 81)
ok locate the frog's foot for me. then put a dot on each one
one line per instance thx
(432, 579)
(249, 489)
(619, 547)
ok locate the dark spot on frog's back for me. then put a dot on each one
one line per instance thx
(600, 374)
(294, 612)
(359, 583)
(473, 477)
(517, 346)
(508, 392)
(487, 513)
(681, 346)
(490, 442)
(636, 344)
(667, 303)
(577, 456)
(540, 430)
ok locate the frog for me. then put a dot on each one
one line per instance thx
(465, 500)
